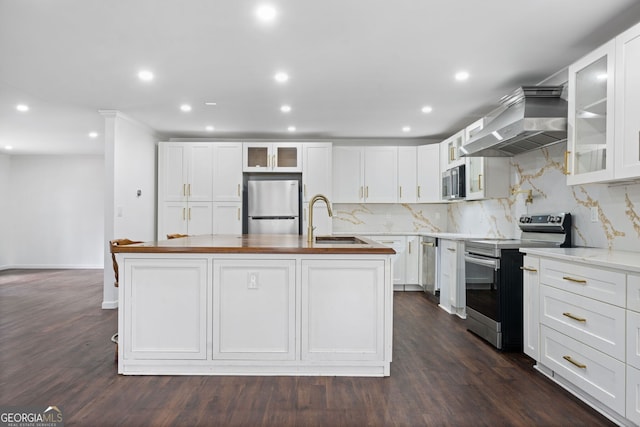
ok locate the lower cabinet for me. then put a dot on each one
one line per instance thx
(342, 310)
(406, 261)
(582, 326)
(165, 308)
(254, 309)
(255, 314)
(451, 276)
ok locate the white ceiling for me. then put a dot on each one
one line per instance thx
(358, 68)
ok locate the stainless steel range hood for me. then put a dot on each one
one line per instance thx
(533, 117)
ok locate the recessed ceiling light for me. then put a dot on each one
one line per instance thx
(185, 107)
(145, 75)
(281, 77)
(291, 128)
(406, 129)
(210, 128)
(462, 76)
(285, 108)
(93, 134)
(427, 109)
(266, 13)
(211, 104)
(8, 147)
(22, 108)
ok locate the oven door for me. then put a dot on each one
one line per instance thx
(482, 287)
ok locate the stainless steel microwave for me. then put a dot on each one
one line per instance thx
(453, 183)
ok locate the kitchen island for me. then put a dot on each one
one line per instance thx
(255, 305)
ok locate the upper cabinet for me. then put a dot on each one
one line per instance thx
(316, 176)
(603, 142)
(407, 174)
(186, 171)
(627, 104)
(590, 133)
(450, 151)
(227, 172)
(365, 174)
(428, 174)
(272, 157)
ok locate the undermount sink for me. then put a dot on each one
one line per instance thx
(339, 240)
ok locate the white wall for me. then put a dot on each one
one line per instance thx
(53, 212)
(130, 165)
(5, 244)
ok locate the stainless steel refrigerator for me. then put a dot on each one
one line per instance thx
(273, 207)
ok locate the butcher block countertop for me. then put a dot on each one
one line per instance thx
(260, 244)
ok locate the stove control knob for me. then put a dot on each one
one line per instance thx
(523, 219)
(557, 219)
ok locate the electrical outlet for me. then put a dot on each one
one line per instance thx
(594, 214)
(253, 281)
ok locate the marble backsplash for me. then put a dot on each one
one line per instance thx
(604, 215)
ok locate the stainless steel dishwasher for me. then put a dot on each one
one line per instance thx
(428, 272)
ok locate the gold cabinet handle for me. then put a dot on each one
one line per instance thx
(573, 362)
(184, 189)
(188, 189)
(401, 191)
(566, 162)
(572, 279)
(304, 186)
(366, 192)
(418, 191)
(189, 217)
(238, 189)
(409, 247)
(451, 249)
(238, 214)
(360, 192)
(429, 244)
(479, 181)
(452, 155)
(574, 317)
(533, 270)
(184, 214)
(273, 161)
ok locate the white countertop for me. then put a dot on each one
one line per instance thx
(438, 235)
(625, 260)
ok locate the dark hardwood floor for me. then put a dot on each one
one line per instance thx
(55, 349)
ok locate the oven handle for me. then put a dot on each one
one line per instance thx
(480, 260)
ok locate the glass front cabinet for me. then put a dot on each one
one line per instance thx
(590, 134)
(272, 157)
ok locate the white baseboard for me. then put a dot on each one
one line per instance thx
(51, 267)
(109, 305)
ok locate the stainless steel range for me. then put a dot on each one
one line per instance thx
(493, 277)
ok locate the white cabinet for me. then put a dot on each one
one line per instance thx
(227, 172)
(168, 296)
(226, 217)
(487, 177)
(627, 104)
(450, 151)
(254, 309)
(530, 299)
(343, 310)
(412, 266)
(272, 157)
(184, 218)
(451, 276)
(428, 174)
(316, 170)
(186, 171)
(407, 174)
(585, 324)
(365, 174)
(590, 133)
